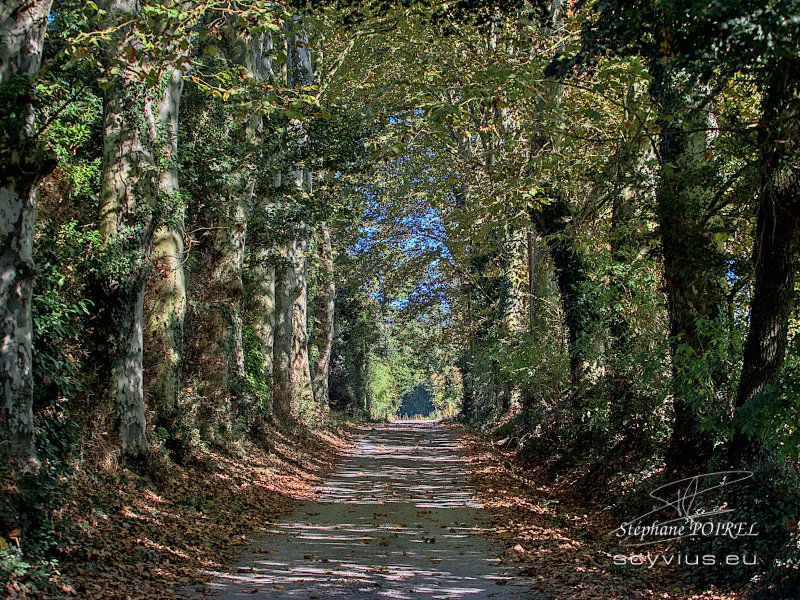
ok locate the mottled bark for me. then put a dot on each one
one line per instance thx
(166, 297)
(225, 351)
(694, 267)
(300, 375)
(261, 304)
(301, 74)
(324, 317)
(128, 205)
(22, 28)
(285, 284)
(512, 298)
(223, 348)
(261, 293)
(299, 66)
(512, 302)
(777, 243)
(532, 254)
(22, 164)
(127, 377)
(292, 372)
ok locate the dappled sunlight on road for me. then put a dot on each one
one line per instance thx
(402, 468)
(397, 520)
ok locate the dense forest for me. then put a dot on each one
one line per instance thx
(573, 226)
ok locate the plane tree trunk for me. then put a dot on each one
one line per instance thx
(128, 219)
(165, 300)
(285, 283)
(292, 373)
(22, 164)
(324, 317)
(225, 382)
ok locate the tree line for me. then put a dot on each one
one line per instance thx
(596, 204)
(604, 199)
(574, 221)
(212, 98)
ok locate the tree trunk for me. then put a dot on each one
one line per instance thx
(166, 297)
(300, 367)
(468, 399)
(127, 223)
(777, 242)
(223, 351)
(513, 294)
(468, 403)
(285, 284)
(552, 220)
(621, 414)
(226, 275)
(694, 267)
(512, 300)
(261, 303)
(532, 251)
(261, 280)
(570, 273)
(292, 373)
(324, 317)
(22, 164)
(127, 376)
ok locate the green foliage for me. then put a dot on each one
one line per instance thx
(356, 332)
(708, 378)
(60, 310)
(416, 403)
(24, 576)
(258, 379)
(446, 387)
(773, 414)
(536, 366)
(383, 394)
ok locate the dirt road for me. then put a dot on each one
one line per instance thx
(397, 520)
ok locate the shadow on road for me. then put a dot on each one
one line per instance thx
(396, 520)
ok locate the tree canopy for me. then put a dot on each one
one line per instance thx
(574, 224)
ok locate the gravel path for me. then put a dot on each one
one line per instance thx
(397, 520)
